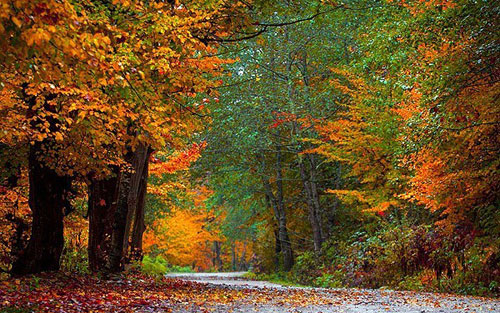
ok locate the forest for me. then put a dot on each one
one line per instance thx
(323, 143)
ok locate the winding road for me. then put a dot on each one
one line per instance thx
(241, 295)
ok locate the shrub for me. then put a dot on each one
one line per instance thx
(75, 260)
(305, 269)
(179, 269)
(158, 266)
(327, 280)
(154, 266)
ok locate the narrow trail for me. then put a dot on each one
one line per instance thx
(265, 297)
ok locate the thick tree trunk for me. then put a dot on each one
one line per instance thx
(286, 247)
(119, 223)
(127, 202)
(139, 226)
(139, 164)
(48, 199)
(103, 196)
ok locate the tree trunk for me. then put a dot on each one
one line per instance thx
(313, 217)
(277, 249)
(139, 164)
(103, 196)
(48, 198)
(233, 256)
(139, 227)
(277, 242)
(217, 262)
(283, 240)
(127, 202)
(276, 202)
(286, 246)
(315, 197)
(243, 259)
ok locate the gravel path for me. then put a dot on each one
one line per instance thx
(265, 297)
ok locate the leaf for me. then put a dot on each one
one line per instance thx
(16, 21)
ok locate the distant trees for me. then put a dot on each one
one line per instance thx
(387, 108)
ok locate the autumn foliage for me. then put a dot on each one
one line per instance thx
(337, 144)
(88, 91)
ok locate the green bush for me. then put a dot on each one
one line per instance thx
(154, 266)
(327, 280)
(305, 269)
(179, 269)
(412, 283)
(158, 266)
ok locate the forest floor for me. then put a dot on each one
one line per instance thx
(219, 292)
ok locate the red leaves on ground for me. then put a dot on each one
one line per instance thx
(136, 293)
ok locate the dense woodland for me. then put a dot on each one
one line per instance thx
(326, 143)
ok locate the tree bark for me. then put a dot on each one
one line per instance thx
(103, 196)
(138, 164)
(49, 197)
(277, 249)
(233, 256)
(243, 260)
(127, 202)
(286, 246)
(217, 262)
(276, 202)
(139, 226)
(315, 197)
(277, 242)
(314, 219)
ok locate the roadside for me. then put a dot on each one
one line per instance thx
(268, 297)
(214, 292)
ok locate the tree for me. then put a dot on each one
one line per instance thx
(90, 85)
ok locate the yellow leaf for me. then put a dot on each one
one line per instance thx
(58, 136)
(106, 40)
(16, 21)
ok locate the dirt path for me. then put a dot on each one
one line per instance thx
(265, 297)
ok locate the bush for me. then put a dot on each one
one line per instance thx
(179, 269)
(414, 283)
(158, 266)
(154, 266)
(327, 280)
(75, 260)
(406, 257)
(305, 269)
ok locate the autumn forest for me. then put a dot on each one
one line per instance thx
(320, 143)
